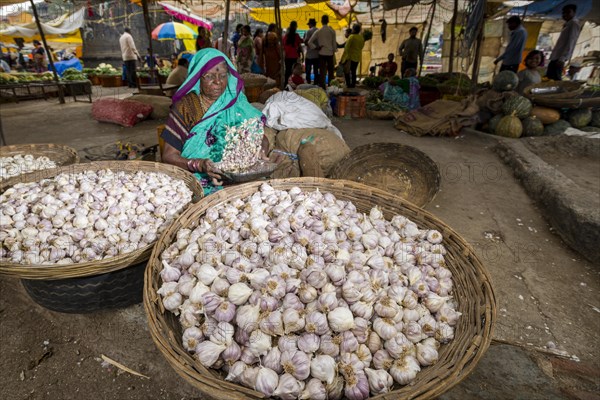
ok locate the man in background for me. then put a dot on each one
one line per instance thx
(512, 56)
(563, 49)
(324, 41)
(411, 51)
(39, 57)
(312, 55)
(130, 55)
(389, 68)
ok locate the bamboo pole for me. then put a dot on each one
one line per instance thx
(224, 43)
(453, 36)
(477, 60)
(281, 54)
(427, 36)
(61, 97)
(149, 32)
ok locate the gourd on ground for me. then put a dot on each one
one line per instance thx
(509, 126)
(505, 80)
(580, 118)
(532, 126)
(556, 128)
(518, 106)
(493, 124)
(545, 114)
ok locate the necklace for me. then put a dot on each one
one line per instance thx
(203, 105)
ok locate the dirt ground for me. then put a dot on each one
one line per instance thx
(548, 296)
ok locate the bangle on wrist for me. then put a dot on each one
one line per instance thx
(190, 165)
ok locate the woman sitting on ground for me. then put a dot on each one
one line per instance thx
(209, 100)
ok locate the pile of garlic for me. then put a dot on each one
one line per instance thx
(297, 295)
(22, 164)
(243, 146)
(87, 216)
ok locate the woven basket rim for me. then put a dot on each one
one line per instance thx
(61, 154)
(373, 151)
(77, 270)
(457, 359)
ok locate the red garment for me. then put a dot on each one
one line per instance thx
(289, 50)
(296, 80)
(388, 69)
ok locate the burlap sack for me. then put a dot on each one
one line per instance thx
(329, 148)
(264, 96)
(440, 118)
(160, 104)
(491, 100)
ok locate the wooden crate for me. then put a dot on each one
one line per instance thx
(111, 80)
(352, 106)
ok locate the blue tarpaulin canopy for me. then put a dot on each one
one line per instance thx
(552, 9)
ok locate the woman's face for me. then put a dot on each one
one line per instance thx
(534, 61)
(245, 31)
(214, 81)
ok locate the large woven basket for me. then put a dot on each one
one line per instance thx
(396, 168)
(568, 89)
(473, 291)
(62, 155)
(50, 272)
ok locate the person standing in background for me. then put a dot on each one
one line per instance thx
(411, 51)
(352, 55)
(245, 51)
(563, 49)
(130, 55)
(39, 57)
(312, 55)
(324, 41)
(259, 59)
(513, 54)
(235, 38)
(272, 54)
(291, 48)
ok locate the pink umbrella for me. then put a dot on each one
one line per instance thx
(187, 16)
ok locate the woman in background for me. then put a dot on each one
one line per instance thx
(245, 51)
(272, 54)
(291, 47)
(258, 49)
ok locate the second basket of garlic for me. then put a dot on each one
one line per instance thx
(303, 289)
(88, 219)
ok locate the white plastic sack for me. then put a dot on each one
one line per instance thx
(287, 110)
(576, 132)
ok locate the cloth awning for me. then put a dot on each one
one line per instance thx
(300, 13)
(67, 24)
(552, 10)
(186, 15)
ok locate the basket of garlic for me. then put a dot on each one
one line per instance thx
(80, 236)
(19, 159)
(88, 219)
(310, 288)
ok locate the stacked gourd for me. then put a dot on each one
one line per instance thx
(519, 117)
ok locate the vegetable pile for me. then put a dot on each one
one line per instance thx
(506, 113)
(298, 295)
(22, 164)
(87, 216)
(73, 74)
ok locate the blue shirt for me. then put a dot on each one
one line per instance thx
(514, 50)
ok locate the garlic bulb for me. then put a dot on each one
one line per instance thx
(90, 216)
(23, 163)
(300, 295)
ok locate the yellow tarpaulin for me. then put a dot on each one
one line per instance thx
(299, 13)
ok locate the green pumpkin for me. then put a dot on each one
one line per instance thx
(509, 126)
(557, 128)
(532, 127)
(580, 118)
(595, 119)
(505, 80)
(493, 123)
(518, 106)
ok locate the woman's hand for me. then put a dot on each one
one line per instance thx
(213, 172)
